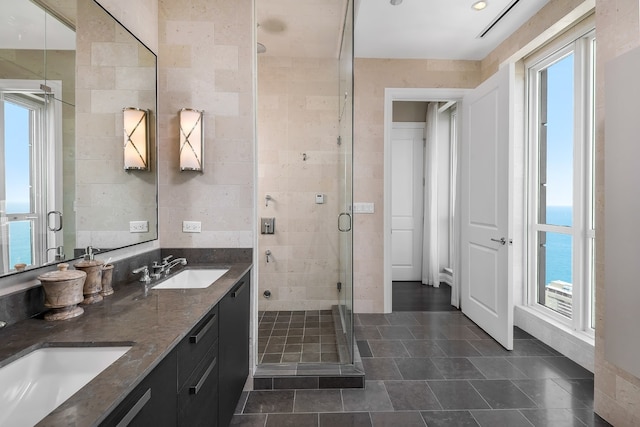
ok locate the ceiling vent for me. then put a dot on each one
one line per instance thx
(498, 18)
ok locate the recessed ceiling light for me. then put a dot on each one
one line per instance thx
(396, 2)
(479, 5)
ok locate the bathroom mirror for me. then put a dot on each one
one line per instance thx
(67, 71)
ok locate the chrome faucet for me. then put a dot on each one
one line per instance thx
(90, 252)
(158, 268)
(173, 263)
(166, 266)
(59, 253)
(145, 273)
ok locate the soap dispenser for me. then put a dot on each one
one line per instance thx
(93, 283)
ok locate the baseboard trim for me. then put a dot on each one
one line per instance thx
(446, 278)
(578, 347)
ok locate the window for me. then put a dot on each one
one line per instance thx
(561, 183)
(23, 202)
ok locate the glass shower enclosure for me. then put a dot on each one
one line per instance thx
(345, 141)
(305, 156)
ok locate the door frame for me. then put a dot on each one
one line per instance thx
(406, 94)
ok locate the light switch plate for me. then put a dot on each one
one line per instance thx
(191, 226)
(363, 208)
(138, 226)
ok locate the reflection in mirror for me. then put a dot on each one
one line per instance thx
(67, 71)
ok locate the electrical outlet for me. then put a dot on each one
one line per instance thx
(191, 226)
(138, 226)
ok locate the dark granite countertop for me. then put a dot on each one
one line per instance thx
(153, 324)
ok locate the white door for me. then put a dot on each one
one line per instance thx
(486, 297)
(406, 201)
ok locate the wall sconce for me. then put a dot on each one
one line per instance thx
(191, 140)
(136, 138)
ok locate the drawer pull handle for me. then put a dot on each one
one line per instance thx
(135, 410)
(237, 290)
(196, 388)
(201, 333)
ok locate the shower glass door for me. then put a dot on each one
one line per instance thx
(345, 141)
(304, 105)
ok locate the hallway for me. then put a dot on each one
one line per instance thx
(414, 296)
(437, 369)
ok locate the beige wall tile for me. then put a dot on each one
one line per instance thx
(140, 17)
(297, 114)
(198, 40)
(113, 54)
(101, 95)
(135, 78)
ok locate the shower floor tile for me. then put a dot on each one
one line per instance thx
(297, 336)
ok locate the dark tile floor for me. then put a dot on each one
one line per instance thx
(437, 369)
(297, 337)
(414, 296)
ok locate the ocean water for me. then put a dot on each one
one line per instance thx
(19, 235)
(559, 247)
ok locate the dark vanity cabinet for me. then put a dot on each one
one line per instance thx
(199, 383)
(234, 347)
(198, 374)
(152, 402)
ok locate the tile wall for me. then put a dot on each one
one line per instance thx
(108, 61)
(298, 158)
(205, 59)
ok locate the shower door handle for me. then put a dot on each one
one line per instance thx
(340, 222)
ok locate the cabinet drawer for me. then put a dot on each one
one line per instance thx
(198, 398)
(152, 402)
(193, 348)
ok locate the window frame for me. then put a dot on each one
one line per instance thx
(582, 232)
(46, 161)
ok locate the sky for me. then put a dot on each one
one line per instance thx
(16, 137)
(560, 133)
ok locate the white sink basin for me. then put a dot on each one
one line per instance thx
(196, 278)
(40, 381)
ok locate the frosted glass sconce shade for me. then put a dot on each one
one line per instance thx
(191, 140)
(136, 139)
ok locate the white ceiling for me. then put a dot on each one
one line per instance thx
(435, 29)
(23, 26)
